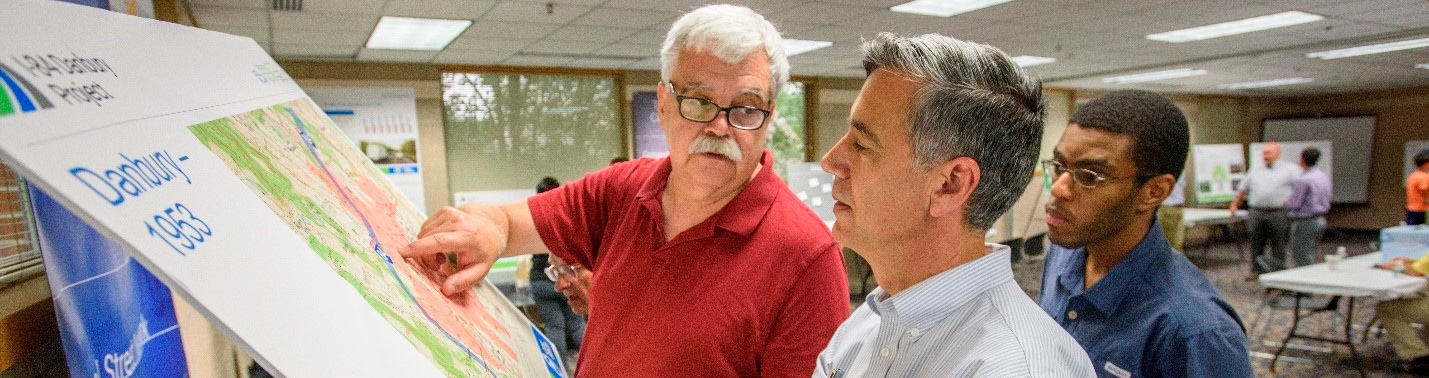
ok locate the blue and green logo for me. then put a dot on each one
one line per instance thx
(18, 93)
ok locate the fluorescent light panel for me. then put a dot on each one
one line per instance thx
(794, 47)
(944, 8)
(407, 33)
(1248, 25)
(1266, 83)
(1370, 49)
(1029, 61)
(1154, 76)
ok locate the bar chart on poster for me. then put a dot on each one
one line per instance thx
(198, 154)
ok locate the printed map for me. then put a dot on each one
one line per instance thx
(311, 176)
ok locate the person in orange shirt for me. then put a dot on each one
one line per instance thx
(1416, 190)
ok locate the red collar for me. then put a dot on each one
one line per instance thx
(741, 215)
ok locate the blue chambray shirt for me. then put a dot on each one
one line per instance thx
(1153, 315)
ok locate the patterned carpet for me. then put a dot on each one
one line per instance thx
(1224, 262)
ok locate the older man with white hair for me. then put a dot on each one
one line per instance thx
(705, 263)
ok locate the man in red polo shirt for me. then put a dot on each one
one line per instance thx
(705, 264)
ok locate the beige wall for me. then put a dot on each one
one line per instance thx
(1401, 115)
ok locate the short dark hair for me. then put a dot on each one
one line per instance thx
(1310, 156)
(1159, 133)
(547, 183)
(1421, 159)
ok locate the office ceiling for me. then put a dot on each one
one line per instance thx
(1091, 39)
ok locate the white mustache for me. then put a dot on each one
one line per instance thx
(714, 145)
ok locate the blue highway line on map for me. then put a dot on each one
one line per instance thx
(377, 244)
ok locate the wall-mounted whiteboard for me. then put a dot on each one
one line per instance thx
(1352, 138)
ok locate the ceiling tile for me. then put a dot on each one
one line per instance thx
(535, 12)
(560, 47)
(467, 42)
(582, 33)
(626, 18)
(651, 36)
(566, 2)
(211, 15)
(325, 21)
(624, 49)
(447, 9)
(312, 37)
(600, 63)
(832, 34)
(343, 6)
(299, 50)
(383, 55)
(821, 13)
(255, 4)
(451, 56)
(906, 24)
(517, 30)
(536, 61)
(258, 34)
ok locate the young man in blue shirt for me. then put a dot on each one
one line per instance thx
(1137, 306)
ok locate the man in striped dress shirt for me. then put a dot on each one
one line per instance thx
(942, 139)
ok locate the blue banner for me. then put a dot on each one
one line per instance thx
(115, 318)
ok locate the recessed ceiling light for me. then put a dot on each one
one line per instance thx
(1029, 61)
(944, 8)
(1154, 76)
(794, 47)
(1370, 49)
(1248, 25)
(407, 33)
(1422, 65)
(1266, 83)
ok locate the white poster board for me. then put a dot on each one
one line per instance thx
(383, 124)
(1220, 171)
(1353, 136)
(197, 153)
(1290, 154)
(1411, 148)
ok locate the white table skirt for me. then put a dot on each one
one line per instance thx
(1356, 277)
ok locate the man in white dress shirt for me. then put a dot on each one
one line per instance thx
(942, 140)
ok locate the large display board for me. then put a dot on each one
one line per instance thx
(383, 124)
(1220, 171)
(1353, 136)
(201, 157)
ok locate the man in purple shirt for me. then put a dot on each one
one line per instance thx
(1306, 208)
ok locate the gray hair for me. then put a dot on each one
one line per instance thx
(973, 101)
(730, 33)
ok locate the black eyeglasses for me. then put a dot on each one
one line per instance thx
(701, 110)
(1082, 176)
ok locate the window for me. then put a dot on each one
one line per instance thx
(19, 254)
(504, 131)
(787, 136)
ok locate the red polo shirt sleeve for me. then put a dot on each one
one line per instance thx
(571, 219)
(810, 316)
